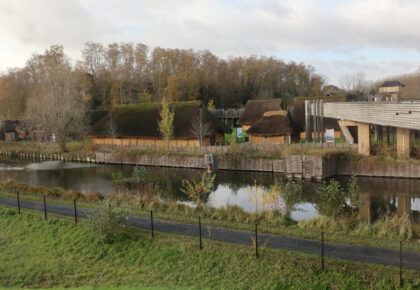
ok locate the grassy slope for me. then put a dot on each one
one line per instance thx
(223, 218)
(36, 253)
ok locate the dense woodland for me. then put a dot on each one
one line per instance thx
(123, 73)
(132, 73)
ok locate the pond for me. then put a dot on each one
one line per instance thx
(401, 196)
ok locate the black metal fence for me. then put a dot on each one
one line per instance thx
(322, 243)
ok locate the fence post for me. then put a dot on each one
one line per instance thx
(199, 229)
(322, 250)
(18, 200)
(75, 212)
(151, 222)
(401, 263)
(256, 240)
(45, 207)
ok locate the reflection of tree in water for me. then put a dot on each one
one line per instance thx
(382, 194)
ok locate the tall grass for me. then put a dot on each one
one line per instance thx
(389, 227)
(57, 192)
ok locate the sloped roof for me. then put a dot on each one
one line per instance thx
(255, 109)
(10, 125)
(141, 120)
(273, 123)
(391, 84)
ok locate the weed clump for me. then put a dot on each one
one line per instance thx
(108, 221)
(74, 195)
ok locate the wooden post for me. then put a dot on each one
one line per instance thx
(308, 120)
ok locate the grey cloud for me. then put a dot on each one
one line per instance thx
(267, 27)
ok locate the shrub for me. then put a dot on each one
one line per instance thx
(107, 221)
(118, 180)
(74, 195)
(331, 198)
(57, 192)
(199, 191)
(94, 196)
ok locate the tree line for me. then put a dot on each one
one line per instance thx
(123, 73)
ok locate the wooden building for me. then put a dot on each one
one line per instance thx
(137, 124)
(390, 91)
(12, 130)
(255, 109)
(275, 127)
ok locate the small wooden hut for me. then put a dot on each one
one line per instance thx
(390, 90)
(275, 127)
(255, 109)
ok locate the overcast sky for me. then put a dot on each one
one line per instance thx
(378, 37)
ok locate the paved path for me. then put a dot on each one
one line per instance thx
(368, 254)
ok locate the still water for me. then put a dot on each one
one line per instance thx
(401, 196)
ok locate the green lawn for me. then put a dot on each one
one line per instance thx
(55, 253)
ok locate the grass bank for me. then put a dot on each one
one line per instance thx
(384, 232)
(55, 253)
(234, 151)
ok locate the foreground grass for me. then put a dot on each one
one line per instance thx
(55, 253)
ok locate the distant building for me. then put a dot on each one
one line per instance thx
(137, 124)
(255, 109)
(275, 127)
(390, 91)
(11, 130)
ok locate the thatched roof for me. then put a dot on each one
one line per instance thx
(94, 116)
(273, 123)
(141, 120)
(255, 109)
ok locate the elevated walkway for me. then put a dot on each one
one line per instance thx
(404, 116)
(400, 115)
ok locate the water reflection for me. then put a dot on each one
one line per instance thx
(378, 195)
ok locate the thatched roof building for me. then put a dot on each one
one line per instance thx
(273, 123)
(141, 121)
(255, 109)
(275, 127)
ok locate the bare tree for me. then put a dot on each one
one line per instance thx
(55, 103)
(201, 126)
(354, 83)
